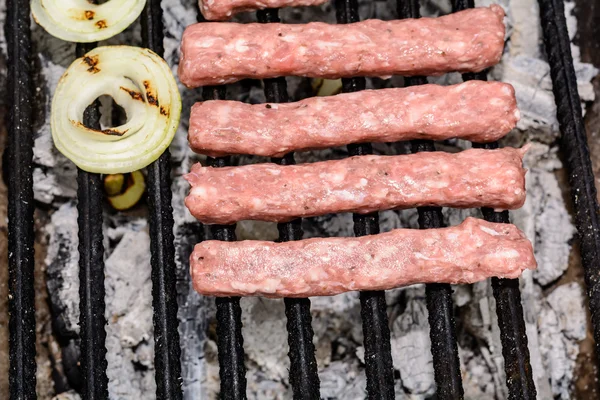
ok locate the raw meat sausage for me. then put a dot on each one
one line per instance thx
(475, 110)
(221, 52)
(361, 184)
(467, 253)
(218, 10)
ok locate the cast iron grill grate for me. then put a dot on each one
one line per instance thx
(303, 370)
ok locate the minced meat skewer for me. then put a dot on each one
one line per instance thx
(467, 253)
(476, 111)
(362, 184)
(220, 52)
(219, 10)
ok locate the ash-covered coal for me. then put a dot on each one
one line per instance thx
(555, 318)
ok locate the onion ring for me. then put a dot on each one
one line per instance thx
(139, 81)
(83, 22)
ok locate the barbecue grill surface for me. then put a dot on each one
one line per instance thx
(303, 370)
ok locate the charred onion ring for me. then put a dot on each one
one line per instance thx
(84, 22)
(139, 81)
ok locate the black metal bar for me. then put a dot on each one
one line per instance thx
(304, 376)
(575, 148)
(92, 306)
(459, 5)
(167, 353)
(519, 376)
(230, 342)
(19, 172)
(442, 326)
(376, 332)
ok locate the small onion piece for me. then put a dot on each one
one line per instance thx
(132, 194)
(141, 83)
(84, 22)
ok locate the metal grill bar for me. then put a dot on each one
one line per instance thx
(92, 306)
(230, 342)
(575, 148)
(303, 374)
(167, 353)
(18, 170)
(442, 327)
(376, 331)
(519, 377)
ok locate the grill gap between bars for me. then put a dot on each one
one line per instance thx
(167, 350)
(513, 336)
(440, 307)
(92, 321)
(303, 374)
(376, 331)
(18, 173)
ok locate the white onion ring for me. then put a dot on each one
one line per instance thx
(139, 81)
(84, 22)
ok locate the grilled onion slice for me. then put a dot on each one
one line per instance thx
(84, 22)
(141, 83)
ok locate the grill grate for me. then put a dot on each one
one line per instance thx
(303, 372)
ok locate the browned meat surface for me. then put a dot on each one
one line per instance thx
(218, 53)
(476, 111)
(467, 253)
(218, 10)
(362, 184)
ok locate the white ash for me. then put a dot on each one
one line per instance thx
(49, 185)
(129, 315)
(562, 326)
(54, 175)
(525, 67)
(128, 298)
(62, 267)
(120, 226)
(478, 383)
(531, 292)
(337, 319)
(343, 380)
(265, 335)
(545, 202)
(411, 345)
